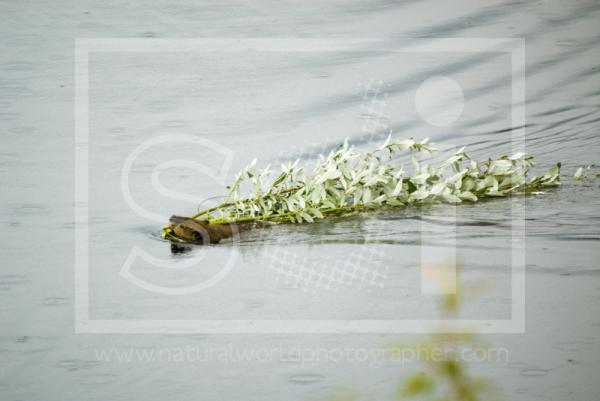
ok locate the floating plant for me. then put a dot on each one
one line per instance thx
(348, 181)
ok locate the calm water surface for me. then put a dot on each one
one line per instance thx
(276, 106)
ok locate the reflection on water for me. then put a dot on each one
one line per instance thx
(278, 107)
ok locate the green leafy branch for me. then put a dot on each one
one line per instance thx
(347, 181)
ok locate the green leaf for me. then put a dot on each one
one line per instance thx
(518, 156)
(317, 213)
(398, 188)
(394, 202)
(420, 194)
(488, 182)
(306, 216)
(437, 189)
(450, 198)
(419, 384)
(367, 195)
(467, 195)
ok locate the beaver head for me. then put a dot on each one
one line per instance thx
(190, 230)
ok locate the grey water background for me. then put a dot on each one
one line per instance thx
(275, 107)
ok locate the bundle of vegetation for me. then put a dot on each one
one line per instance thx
(348, 181)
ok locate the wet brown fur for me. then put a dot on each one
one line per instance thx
(201, 232)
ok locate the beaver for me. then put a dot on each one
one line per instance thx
(199, 232)
(202, 232)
